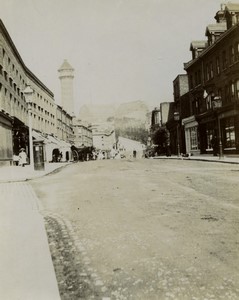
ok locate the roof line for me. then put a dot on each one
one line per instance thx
(28, 72)
(188, 64)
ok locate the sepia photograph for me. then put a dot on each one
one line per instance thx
(119, 150)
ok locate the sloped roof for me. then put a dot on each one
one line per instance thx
(198, 44)
(218, 27)
(65, 66)
(232, 7)
(38, 136)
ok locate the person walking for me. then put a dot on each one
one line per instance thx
(214, 143)
(22, 158)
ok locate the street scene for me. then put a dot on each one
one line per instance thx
(119, 150)
(143, 229)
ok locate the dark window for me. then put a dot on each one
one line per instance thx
(232, 90)
(237, 89)
(236, 51)
(229, 133)
(224, 60)
(217, 65)
(211, 70)
(191, 81)
(207, 72)
(227, 94)
(232, 55)
(5, 76)
(199, 77)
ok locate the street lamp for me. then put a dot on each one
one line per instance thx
(28, 96)
(177, 118)
(217, 103)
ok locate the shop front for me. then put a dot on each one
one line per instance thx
(229, 122)
(208, 132)
(6, 153)
(191, 135)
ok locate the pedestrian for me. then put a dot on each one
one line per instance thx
(100, 156)
(15, 159)
(22, 158)
(214, 143)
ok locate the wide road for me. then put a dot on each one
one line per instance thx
(143, 229)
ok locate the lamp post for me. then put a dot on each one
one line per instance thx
(177, 118)
(28, 96)
(217, 103)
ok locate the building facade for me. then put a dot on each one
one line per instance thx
(213, 82)
(82, 134)
(64, 122)
(14, 118)
(103, 137)
(181, 107)
(205, 118)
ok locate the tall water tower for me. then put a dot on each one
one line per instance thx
(66, 76)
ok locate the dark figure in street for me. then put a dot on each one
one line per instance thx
(214, 143)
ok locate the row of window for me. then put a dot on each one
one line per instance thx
(11, 67)
(12, 98)
(8, 78)
(63, 125)
(228, 94)
(46, 101)
(11, 83)
(228, 57)
(40, 119)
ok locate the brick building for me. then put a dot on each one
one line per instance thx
(181, 105)
(213, 74)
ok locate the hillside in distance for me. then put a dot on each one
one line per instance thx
(131, 119)
(136, 111)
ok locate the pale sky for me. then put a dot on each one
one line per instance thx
(121, 50)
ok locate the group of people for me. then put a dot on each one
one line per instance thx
(20, 159)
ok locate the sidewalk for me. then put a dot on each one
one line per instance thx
(208, 158)
(27, 271)
(16, 173)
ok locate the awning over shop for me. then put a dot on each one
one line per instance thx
(52, 139)
(37, 136)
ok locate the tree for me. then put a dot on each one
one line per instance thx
(160, 138)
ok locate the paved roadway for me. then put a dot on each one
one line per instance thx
(144, 229)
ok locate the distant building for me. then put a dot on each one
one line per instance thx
(128, 146)
(66, 76)
(181, 106)
(103, 137)
(64, 125)
(82, 134)
(161, 114)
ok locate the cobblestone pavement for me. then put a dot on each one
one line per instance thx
(74, 274)
(144, 230)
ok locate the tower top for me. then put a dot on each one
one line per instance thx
(65, 66)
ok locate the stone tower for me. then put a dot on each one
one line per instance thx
(66, 77)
